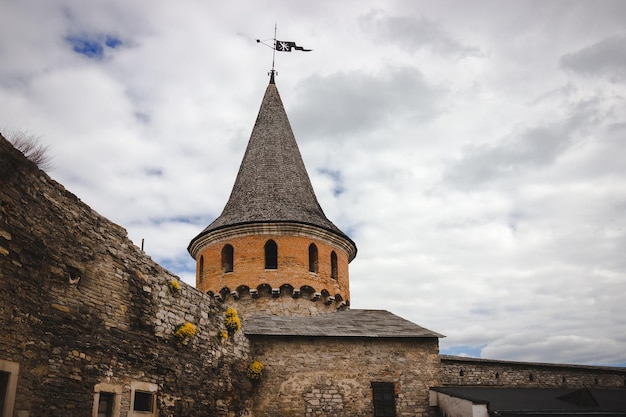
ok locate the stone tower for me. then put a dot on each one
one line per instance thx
(272, 250)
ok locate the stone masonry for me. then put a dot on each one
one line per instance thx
(82, 309)
(461, 371)
(316, 376)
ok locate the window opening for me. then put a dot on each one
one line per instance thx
(531, 377)
(105, 404)
(201, 268)
(271, 255)
(227, 258)
(143, 401)
(333, 265)
(4, 389)
(8, 386)
(461, 373)
(313, 263)
(384, 399)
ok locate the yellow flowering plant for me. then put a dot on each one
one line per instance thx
(174, 286)
(231, 321)
(185, 331)
(255, 371)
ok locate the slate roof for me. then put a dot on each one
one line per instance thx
(272, 184)
(543, 401)
(347, 323)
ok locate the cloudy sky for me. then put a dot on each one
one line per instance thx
(475, 152)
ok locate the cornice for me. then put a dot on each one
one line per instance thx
(272, 228)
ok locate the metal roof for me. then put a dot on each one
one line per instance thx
(543, 401)
(347, 323)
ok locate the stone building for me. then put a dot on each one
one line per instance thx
(91, 326)
(275, 257)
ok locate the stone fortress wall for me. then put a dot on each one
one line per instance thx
(83, 311)
(463, 371)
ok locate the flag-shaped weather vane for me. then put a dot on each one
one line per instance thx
(280, 46)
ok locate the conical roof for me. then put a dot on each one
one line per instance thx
(272, 184)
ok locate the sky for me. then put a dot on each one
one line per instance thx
(474, 151)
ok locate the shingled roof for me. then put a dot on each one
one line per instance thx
(348, 323)
(272, 184)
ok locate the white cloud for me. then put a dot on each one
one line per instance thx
(474, 154)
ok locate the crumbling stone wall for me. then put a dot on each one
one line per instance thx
(457, 370)
(332, 376)
(81, 307)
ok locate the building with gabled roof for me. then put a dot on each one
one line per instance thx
(275, 257)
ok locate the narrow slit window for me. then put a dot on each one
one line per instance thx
(227, 258)
(333, 265)
(313, 262)
(201, 267)
(271, 255)
(4, 388)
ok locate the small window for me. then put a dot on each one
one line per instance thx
(4, 388)
(531, 377)
(313, 263)
(227, 258)
(461, 373)
(8, 386)
(201, 268)
(333, 265)
(384, 399)
(143, 401)
(497, 375)
(105, 404)
(271, 255)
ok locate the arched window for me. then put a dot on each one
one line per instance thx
(313, 258)
(201, 267)
(333, 265)
(271, 255)
(227, 258)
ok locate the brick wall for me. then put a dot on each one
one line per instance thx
(81, 307)
(332, 376)
(474, 372)
(292, 272)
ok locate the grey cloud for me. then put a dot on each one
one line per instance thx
(536, 147)
(353, 102)
(606, 58)
(565, 348)
(413, 33)
(533, 148)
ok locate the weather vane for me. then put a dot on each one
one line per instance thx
(280, 46)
